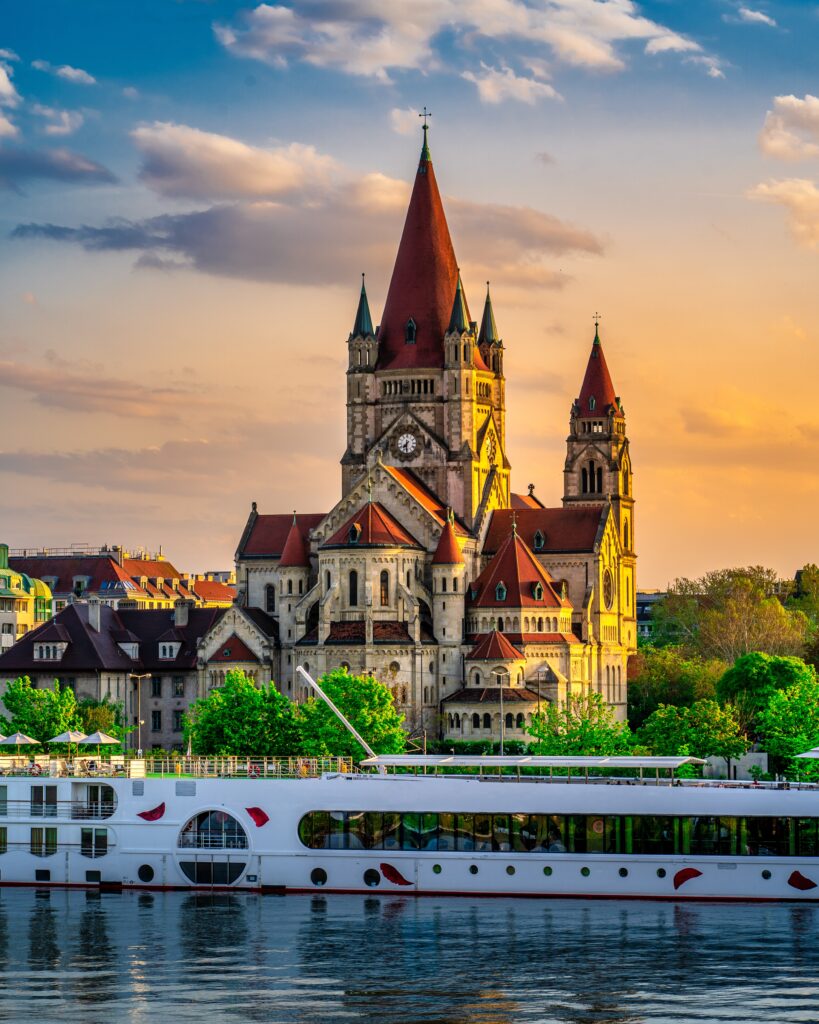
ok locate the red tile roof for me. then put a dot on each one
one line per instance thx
(423, 495)
(516, 569)
(521, 639)
(233, 649)
(448, 551)
(563, 529)
(494, 647)
(103, 571)
(354, 633)
(212, 590)
(597, 384)
(372, 526)
(525, 501)
(423, 281)
(151, 568)
(268, 533)
(295, 553)
(491, 695)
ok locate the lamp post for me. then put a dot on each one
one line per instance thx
(501, 675)
(139, 678)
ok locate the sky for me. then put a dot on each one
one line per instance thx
(189, 192)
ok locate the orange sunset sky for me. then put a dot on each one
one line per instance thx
(187, 200)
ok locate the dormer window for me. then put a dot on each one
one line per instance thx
(354, 533)
(168, 651)
(500, 592)
(409, 332)
(49, 652)
(537, 591)
(540, 540)
(592, 403)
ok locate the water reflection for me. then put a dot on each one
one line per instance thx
(84, 957)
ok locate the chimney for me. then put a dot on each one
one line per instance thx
(94, 613)
(4, 556)
(181, 611)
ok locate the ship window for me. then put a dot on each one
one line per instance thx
(213, 830)
(94, 842)
(4, 845)
(43, 841)
(207, 872)
(145, 873)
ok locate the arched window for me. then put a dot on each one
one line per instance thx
(599, 479)
(625, 534)
(520, 721)
(500, 592)
(409, 332)
(509, 720)
(537, 591)
(328, 580)
(443, 584)
(540, 540)
(353, 588)
(477, 679)
(270, 598)
(385, 588)
(625, 480)
(466, 353)
(451, 722)
(454, 584)
(476, 721)
(487, 721)
(500, 624)
(289, 586)
(591, 477)
(540, 625)
(457, 720)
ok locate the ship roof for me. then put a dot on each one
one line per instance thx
(523, 761)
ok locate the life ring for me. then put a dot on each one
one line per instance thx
(253, 771)
(36, 769)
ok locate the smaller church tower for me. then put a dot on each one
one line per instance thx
(293, 578)
(362, 352)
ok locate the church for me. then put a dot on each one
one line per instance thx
(474, 604)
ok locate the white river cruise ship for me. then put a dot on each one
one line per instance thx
(623, 827)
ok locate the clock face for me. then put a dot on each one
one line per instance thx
(407, 444)
(608, 589)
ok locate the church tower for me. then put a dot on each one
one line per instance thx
(425, 389)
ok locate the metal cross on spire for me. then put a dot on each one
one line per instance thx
(426, 114)
(597, 318)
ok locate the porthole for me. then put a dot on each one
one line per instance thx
(318, 876)
(145, 873)
(766, 874)
(661, 872)
(547, 870)
(623, 872)
(372, 877)
(510, 870)
(93, 876)
(473, 869)
(585, 872)
(436, 868)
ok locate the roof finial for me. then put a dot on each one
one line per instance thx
(514, 523)
(369, 489)
(425, 157)
(597, 318)
(294, 517)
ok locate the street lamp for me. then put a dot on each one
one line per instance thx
(501, 674)
(139, 678)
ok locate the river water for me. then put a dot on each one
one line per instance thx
(140, 958)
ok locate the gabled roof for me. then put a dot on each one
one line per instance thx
(597, 394)
(372, 526)
(526, 500)
(53, 633)
(494, 647)
(515, 573)
(233, 649)
(423, 280)
(266, 623)
(423, 495)
(102, 571)
(563, 529)
(267, 534)
(448, 551)
(294, 553)
(152, 568)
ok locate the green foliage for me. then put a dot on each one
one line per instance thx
(789, 724)
(755, 677)
(243, 719)
(580, 725)
(40, 712)
(669, 675)
(806, 597)
(368, 706)
(702, 730)
(102, 716)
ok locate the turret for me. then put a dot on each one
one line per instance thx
(293, 578)
(448, 583)
(490, 343)
(362, 345)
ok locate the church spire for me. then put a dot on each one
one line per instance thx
(597, 393)
(489, 331)
(363, 325)
(459, 320)
(424, 278)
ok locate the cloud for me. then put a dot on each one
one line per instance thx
(753, 17)
(713, 66)
(545, 158)
(61, 122)
(8, 129)
(373, 39)
(403, 122)
(6, 54)
(800, 198)
(791, 129)
(66, 72)
(130, 92)
(180, 161)
(21, 165)
(59, 385)
(496, 85)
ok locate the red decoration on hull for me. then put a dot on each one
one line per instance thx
(685, 875)
(259, 816)
(154, 814)
(393, 875)
(798, 881)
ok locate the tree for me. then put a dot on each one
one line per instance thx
(730, 612)
(40, 712)
(581, 725)
(753, 678)
(703, 730)
(368, 706)
(806, 595)
(243, 719)
(789, 724)
(102, 716)
(669, 675)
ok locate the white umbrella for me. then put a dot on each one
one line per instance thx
(72, 736)
(814, 753)
(98, 739)
(19, 739)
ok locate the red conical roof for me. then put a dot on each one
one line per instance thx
(448, 552)
(423, 281)
(372, 526)
(494, 647)
(514, 572)
(597, 384)
(294, 554)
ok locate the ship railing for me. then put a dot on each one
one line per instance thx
(211, 841)
(74, 809)
(231, 767)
